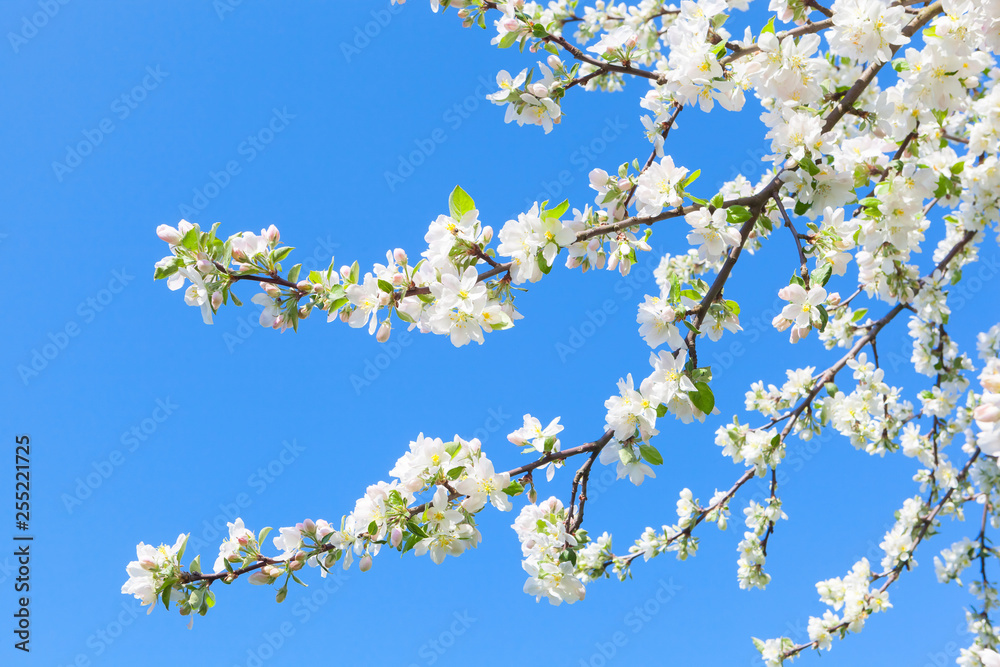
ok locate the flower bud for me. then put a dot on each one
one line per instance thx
(259, 579)
(366, 563)
(216, 300)
(345, 272)
(987, 412)
(303, 286)
(272, 290)
(510, 24)
(624, 184)
(147, 565)
(554, 62)
(539, 90)
(487, 234)
(294, 565)
(169, 234)
(304, 312)
(204, 267)
(383, 332)
(832, 299)
(280, 597)
(272, 234)
(396, 538)
(399, 255)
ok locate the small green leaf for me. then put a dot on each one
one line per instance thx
(558, 211)
(650, 454)
(702, 397)
(293, 274)
(460, 203)
(385, 286)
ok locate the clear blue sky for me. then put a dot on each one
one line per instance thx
(78, 248)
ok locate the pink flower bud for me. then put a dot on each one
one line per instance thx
(304, 312)
(303, 286)
(147, 565)
(242, 539)
(510, 24)
(487, 234)
(624, 184)
(399, 255)
(204, 267)
(539, 90)
(383, 332)
(780, 323)
(259, 579)
(272, 290)
(366, 563)
(345, 272)
(216, 300)
(396, 538)
(272, 234)
(169, 234)
(987, 412)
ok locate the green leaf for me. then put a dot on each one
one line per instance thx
(385, 286)
(737, 215)
(514, 488)
(661, 410)
(810, 166)
(355, 273)
(281, 253)
(958, 168)
(538, 30)
(824, 317)
(168, 270)
(195, 565)
(545, 268)
(801, 207)
(190, 240)
(858, 314)
(822, 274)
(692, 177)
(692, 328)
(508, 40)
(558, 211)
(236, 301)
(769, 28)
(263, 535)
(702, 397)
(293, 274)
(460, 203)
(650, 454)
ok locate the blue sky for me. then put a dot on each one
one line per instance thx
(144, 423)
